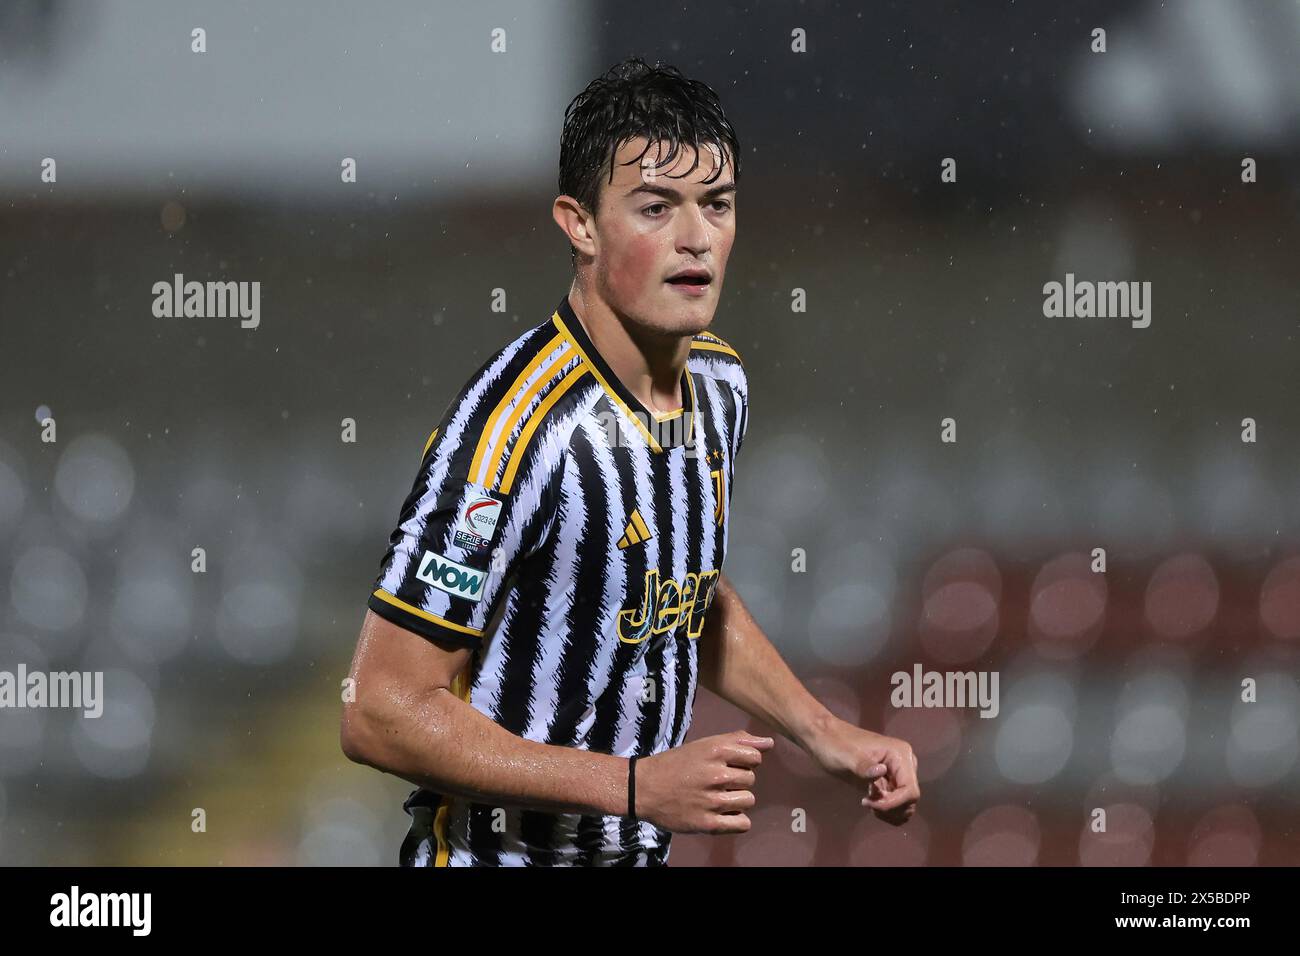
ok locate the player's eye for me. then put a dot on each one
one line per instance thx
(721, 204)
(658, 205)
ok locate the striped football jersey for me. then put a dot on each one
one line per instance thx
(573, 540)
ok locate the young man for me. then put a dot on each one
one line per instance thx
(552, 595)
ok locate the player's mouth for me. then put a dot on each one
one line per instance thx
(691, 281)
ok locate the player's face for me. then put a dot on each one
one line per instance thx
(655, 223)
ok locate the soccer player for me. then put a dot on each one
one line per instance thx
(552, 595)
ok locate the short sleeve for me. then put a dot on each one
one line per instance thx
(458, 542)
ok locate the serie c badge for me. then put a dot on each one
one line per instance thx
(476, 523)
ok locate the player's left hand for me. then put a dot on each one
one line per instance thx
(884, 767)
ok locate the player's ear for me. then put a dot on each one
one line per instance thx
(576, 222)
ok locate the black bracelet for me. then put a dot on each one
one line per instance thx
(631, 787)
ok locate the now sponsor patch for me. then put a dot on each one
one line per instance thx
(476, 523)
(456, 579)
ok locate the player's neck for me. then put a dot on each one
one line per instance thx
(649, 365)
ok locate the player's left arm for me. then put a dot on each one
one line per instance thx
(739, 664)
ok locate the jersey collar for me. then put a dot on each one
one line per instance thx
(660, 431)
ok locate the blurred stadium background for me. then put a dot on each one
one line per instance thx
(924, 301)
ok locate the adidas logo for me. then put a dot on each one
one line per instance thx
(635, 532)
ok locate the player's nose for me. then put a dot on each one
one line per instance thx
(693, 233)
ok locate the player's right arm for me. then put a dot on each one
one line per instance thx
(405, 720)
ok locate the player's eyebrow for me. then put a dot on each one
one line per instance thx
(667, 192)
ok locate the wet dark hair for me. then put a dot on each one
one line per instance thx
(636, 99)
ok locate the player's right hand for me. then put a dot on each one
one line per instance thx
(703, 786)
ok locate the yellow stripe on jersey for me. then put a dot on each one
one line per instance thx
(555, 394)
(423, 614)
(613, 395)
(489, 428)
(718, 346)
(432, 435)
(440, 831)
(498, 455)
(713, 337)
